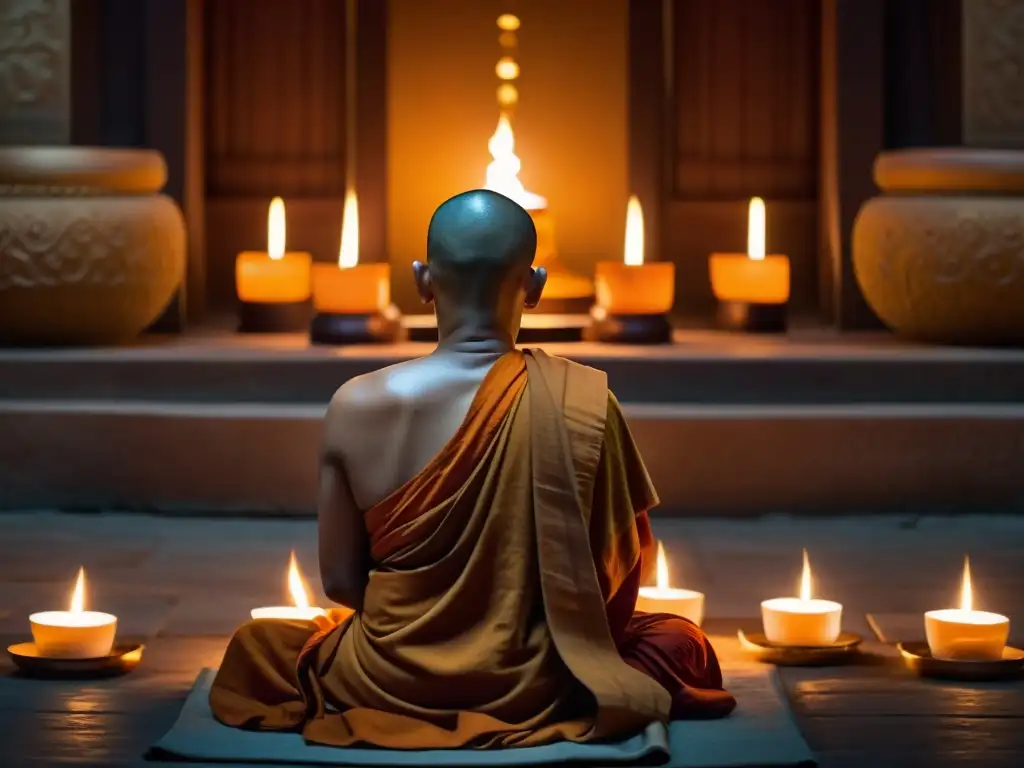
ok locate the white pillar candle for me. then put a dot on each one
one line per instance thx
(74, 634)
(301, 609)
(801, 621)
(665, 599)
(963, 634)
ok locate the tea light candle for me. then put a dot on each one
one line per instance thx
(273, 286)
(963, 634)
(665, 599)
(801, 621)
(74, 634)
(352, 300)
(300, 608)
(752, 289)
(633, 297)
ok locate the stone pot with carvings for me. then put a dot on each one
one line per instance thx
(939, 255)
(90, 251)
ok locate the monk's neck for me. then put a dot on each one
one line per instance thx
(474, 341)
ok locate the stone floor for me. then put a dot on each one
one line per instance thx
(183, 584)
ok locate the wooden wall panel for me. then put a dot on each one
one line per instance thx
(275, 98)
(746, 98)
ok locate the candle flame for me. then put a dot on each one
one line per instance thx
(276, 229)
(662, 577)
(805, 579)
(295, 584)
(634, 251)
(966, 593)
(78, 597)
(348, 253)
(756, 229)
(503, 170)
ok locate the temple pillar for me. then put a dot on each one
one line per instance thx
(35, 72)
(852, 134)
(993, 73)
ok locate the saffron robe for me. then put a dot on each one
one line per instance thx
(500, 608)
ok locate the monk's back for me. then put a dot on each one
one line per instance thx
(399, 418)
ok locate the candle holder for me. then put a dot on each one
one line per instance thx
(354, 305)
(752, 294)
(845, 648)
(628, 329)
(918, 658)
(748, 317)
(333, 329)
(74, 643)
(30, 661)
(281, 317)
(633, 301)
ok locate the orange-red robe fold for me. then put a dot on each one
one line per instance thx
(500, 609)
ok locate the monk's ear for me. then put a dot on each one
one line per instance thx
(424, 282)
(535, 282)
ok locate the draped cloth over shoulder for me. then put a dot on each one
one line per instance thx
(485, 621)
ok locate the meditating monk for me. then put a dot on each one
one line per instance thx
(483, 514)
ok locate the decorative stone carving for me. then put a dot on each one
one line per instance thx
(942, 260)
(993, 73)
(35, 59)
(89, 252)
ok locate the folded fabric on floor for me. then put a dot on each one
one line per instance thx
(761, 732)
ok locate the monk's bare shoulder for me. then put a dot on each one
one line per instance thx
(375, 400)
(360, 400)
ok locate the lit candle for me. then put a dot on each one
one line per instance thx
(752, 289)
(352, 300)
(348, 287)
(300, 609)
(273, 286)
(963, 633)
(633, 296)
(74, 634)
(801, 621)
(665, 599)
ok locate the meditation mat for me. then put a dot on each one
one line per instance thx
(761, 733)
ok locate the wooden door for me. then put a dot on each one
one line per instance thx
(738, 116)
(277, 119)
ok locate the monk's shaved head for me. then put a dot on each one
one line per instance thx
(477, 238)
(480, 247)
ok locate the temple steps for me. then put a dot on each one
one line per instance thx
(701, 368)
(812, 422)
(727, 459)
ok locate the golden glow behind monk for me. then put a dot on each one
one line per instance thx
(484, 512)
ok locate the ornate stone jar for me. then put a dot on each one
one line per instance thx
(940, 255)
(90, 252)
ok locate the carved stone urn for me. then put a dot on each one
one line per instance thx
(90, 252)
(939, 255)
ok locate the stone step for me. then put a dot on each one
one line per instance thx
(721, 459)
(701, 368)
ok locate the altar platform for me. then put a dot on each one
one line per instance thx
(214, 422)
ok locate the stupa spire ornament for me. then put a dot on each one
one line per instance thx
(565, 291)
